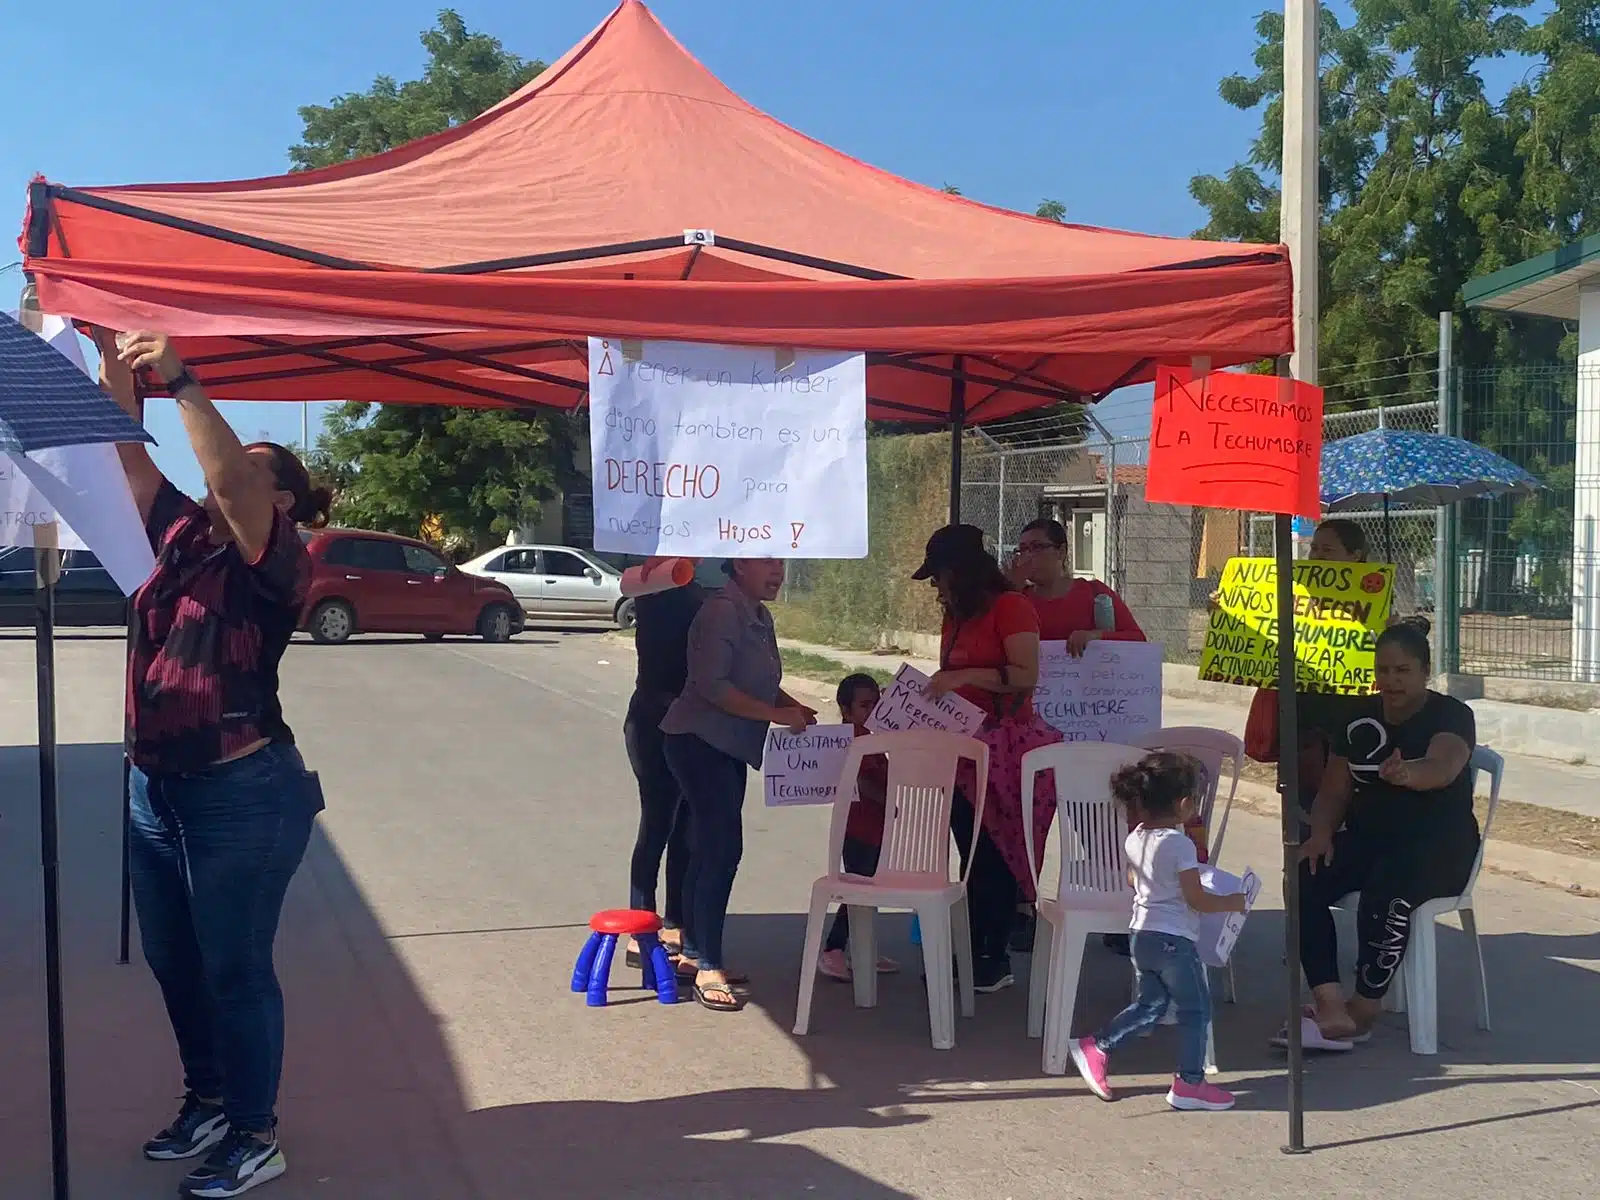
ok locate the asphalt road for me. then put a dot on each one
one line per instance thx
(480, 808)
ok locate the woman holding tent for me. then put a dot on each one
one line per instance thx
(221, 802)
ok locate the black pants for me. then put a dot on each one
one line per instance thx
(992, 891)
(713, 787)
(1394, 875)
(860, 858)
(663, 816)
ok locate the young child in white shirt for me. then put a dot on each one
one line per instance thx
(1167, 902)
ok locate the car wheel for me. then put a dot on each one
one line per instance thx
(332, 622)
(625, 615)
(495, 624)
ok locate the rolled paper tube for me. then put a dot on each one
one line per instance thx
(657, 575)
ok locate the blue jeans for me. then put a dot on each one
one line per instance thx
(712, 784)
(1170, 973)
(211, 855)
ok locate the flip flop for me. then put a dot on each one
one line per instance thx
(732, 1004)
(687, 968)
(1311, 1038)
(635, 962)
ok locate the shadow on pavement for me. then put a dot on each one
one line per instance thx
(373, 1108)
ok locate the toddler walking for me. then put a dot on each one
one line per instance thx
(1167, 902)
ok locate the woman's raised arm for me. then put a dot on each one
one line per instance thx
(244, 495)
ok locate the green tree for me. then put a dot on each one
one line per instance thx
(1051, 210)
(481, 473)
(466, 73)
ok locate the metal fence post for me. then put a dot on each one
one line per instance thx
(1443, 636)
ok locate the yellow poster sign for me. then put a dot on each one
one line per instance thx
(1339, 610)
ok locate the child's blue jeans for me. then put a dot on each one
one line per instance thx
(1170, 973)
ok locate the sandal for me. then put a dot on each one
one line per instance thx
(688, 968)
(1312, 1038)
(703, 994)
(634, 961)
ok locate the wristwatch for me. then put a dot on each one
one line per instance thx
(183, 379)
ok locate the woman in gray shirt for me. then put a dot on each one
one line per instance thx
(715, 730)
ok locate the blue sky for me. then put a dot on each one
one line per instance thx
(1107, 108)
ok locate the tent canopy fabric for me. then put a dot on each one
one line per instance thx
(627, 192)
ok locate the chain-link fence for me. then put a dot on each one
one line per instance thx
(1167, 559)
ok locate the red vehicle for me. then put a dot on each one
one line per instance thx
(364, 582)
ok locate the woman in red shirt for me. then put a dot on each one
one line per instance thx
(989, 654)
(1067, 606)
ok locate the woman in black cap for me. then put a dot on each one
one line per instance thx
(989, 655)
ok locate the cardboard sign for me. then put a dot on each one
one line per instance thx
(905, 704)
(803, 768)
(1229, 440)
(728, 451)
(1112, 693)
(1219, 932)
(1339, 610)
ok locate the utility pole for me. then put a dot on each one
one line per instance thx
(1300, 224)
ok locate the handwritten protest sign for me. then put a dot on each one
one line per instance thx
(727, 451)
(1219, 932)
(803, 768)
(1339, 610)
(905, 704)
(1112, 693)
(1230, 440)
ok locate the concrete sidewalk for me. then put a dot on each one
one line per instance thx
(1539, 781)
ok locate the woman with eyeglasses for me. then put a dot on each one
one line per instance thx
(1071, 610)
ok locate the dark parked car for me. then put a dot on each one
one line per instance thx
(364, 582)
(86, 594)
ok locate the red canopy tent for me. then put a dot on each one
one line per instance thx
(627, 192)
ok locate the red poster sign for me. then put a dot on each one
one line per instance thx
(1251, 442)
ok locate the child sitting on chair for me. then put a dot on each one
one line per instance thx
(863, 831)
(1167, 902)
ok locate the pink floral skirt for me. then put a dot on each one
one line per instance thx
(1008, 739)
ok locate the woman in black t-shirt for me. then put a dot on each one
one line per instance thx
(1399, 781)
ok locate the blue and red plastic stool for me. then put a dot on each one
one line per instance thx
(593, 969)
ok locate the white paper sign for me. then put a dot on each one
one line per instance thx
(905, 704)
(1112, 693)
(1219, 932)
(81, 488)
(727, 451)
(803, 768)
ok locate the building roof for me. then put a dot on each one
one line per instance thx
(1546, 285)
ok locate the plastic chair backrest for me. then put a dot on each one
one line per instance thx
(922, 776)
(1488, 761)
(1092, 826)
(1210, 747)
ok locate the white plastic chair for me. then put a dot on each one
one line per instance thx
(913, 872)
(1415, 990)
(1212, 747)
(1093, 895)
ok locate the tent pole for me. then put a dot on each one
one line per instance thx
(1289, 792)
(47, 568)
(958, 426)
(125, 911)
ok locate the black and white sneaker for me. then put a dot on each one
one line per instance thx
(240, 1162)
(199, 1126)
(992, 975)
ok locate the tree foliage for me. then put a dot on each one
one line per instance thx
(1427, 180)
(466, 73)
(481, 473)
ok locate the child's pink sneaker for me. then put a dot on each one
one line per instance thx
(1091, 1063)
(1198, 1097)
